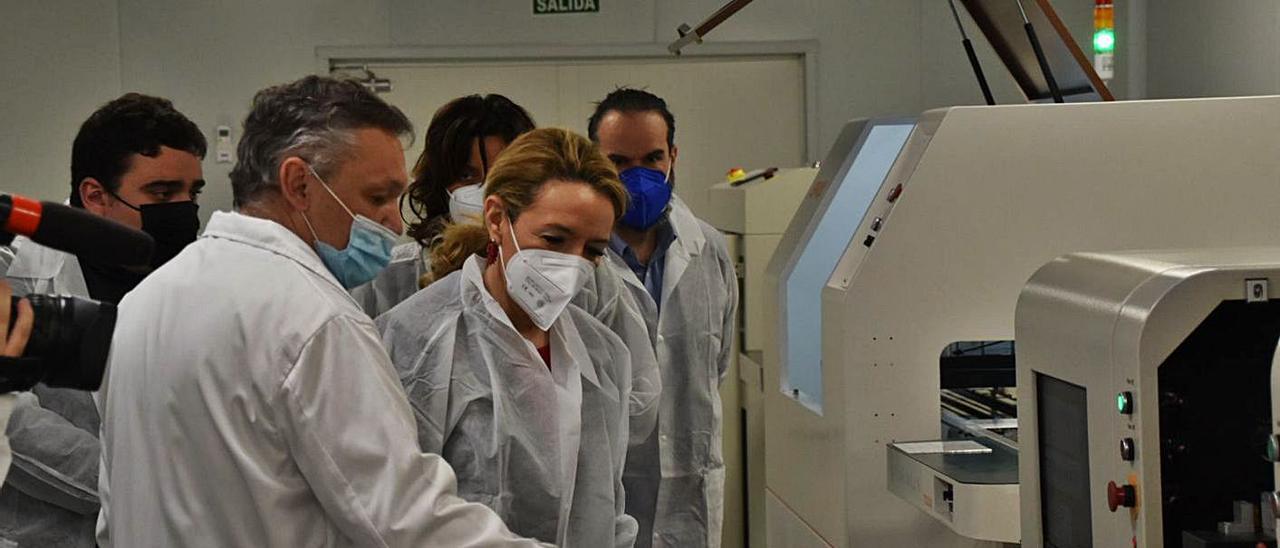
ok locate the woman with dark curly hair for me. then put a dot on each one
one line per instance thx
(463, 139)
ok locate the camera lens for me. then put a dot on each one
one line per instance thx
(71, 337)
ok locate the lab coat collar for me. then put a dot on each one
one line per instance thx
(624, 271)
(689, 236)
(34, 261)
(690, 241)
(473, 291)
(270, 236)
(567, 340)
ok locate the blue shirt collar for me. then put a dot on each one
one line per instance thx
(666, 235)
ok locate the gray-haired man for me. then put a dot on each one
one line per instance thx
(248, 401)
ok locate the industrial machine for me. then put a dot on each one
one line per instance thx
(1147, 399)
(911, 249)
(753, 211)
(756, 212)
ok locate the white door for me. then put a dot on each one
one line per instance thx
(730, 112)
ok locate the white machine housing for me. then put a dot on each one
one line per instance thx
(989, 195)
(752, 215)
(757, 213)
(1094, 329)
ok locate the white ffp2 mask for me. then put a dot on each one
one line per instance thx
(466, 204)
(542, 281)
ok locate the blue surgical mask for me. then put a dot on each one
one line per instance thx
(650, 195)
(368, 249)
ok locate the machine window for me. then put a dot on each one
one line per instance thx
(1063, 416)
(979, 388)
(836, 221)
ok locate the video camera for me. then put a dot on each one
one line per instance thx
(70, 336)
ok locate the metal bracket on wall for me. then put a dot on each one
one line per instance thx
(690, 35)
(364, 76)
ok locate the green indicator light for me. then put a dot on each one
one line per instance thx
(1104, 41)
(1124, 403)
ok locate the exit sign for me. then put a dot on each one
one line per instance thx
(552, 7)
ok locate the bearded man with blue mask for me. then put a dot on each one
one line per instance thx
(248, 401)
(679, 269)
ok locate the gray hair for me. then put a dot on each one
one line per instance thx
(313, 119)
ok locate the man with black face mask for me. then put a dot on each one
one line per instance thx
(136, 161)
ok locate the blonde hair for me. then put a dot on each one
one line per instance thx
(517, 177)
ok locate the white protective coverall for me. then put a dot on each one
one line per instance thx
(50, 497)
(543, 446)
(605, 296)
(394, 284)
(675, 482)
(248, 402)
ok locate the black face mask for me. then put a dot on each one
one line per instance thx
(173, 225)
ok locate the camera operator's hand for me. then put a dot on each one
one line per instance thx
(13, 342)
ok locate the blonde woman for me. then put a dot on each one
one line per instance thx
(525, 394)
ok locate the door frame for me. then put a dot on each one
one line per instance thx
(331, 57)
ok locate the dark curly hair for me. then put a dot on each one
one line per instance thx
(132, 124)
(450, 135)
(518, 178)
(311, 118)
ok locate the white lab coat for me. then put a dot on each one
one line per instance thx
(675, 482)
(543, 446)
(36, 269)
(50, 497)
(248, 402)
(607, 298)
(396, 283)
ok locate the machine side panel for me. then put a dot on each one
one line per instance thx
(787, 530)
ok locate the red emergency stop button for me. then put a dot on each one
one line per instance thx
(1120, 495)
